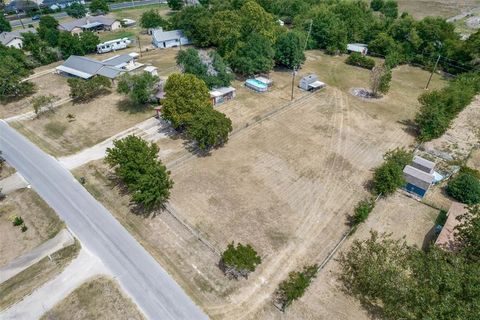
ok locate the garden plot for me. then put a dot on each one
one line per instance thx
(41, 220)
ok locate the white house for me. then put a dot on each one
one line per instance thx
(14, 38)
(168, 39)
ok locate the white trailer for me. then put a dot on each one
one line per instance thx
(113, 45)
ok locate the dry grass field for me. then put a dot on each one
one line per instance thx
(99, 299)
(47, 84)
(399, 215)
(474, 159)
(24, 283)
(94, 122)
(41, 220)
(286, 185)
(444, 8)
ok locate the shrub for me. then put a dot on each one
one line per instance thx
(362, 210)
(239, 261)
(85, 90)
(356, 59)
(24, 228)
(295, 286)
(464, 188)
(389, 176)
(17, 221)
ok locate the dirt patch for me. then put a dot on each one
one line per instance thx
(463, 134)
(444, 8)
(42, 222)
(6, 171)
(474, 159)
(24, 283)
(98, 299)
(94, 122)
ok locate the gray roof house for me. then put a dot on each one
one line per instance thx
(87, 68)
(90, 23)
(14, 38)
(168, 39)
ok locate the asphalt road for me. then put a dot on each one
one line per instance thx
(113, 6)
(154, 291)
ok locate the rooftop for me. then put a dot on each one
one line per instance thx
(86, 68)
(419, 174)
(6, 37)
(160, 35)
(424, 162)
(87, 22)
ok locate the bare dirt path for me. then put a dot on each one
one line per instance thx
(41, 300)
(12, 183)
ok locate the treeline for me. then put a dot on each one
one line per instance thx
(45, 46)
(246, 31)
(440, 107)
(398, 281)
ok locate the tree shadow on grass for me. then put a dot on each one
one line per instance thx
(126, 105)
(410, 127)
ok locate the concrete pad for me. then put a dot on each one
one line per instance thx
(13, 183)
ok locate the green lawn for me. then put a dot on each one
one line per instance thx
(122, 33)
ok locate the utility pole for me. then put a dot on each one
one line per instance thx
(16, 11)
(139, 46)
(294, 71)
(433, 71)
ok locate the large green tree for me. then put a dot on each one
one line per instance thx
(185, 95)
(175, 4)
(4, 24)
(85, 90)
(389, 176)
(135, 162)
(289, 49)
(76, 10)
(209, 128)
(100, 6)
(238, 261)
(140, 88)
(12, 70)
(255, 55)
(152, 19)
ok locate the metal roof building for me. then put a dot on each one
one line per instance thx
(168, 39)
(86, 68)
(423, 164)
(417, 181)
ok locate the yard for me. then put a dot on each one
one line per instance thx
(286, 185)
(99, 299)
(25, 282)
(398, 215)
(42, 222)
(93, 122)
(46, 84)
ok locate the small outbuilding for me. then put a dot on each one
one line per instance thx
(221, 95)
(357, 47)
(168, 39)
(310, 82)
(419, 176)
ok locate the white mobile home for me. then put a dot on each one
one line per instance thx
(113, 45)
(357, 47)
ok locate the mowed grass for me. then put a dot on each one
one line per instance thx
(24, 283)
(122, 33)
(41, 220)
(99, 299)
(285, 185)
(136, 13)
